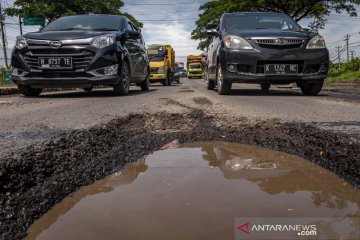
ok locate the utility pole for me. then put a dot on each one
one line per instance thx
(347, 38)
(20, 24)
(338, 54)
(352, 54)
(3, 37)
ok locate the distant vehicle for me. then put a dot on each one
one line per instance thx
(81, 51)
(265, 48)
(183, 73)
(180, 65)
(162, 63)
(194, 67)
(176, 77)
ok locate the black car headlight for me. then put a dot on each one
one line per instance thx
(104, 41)
(235, 42)
(316, 42)
(20, 42)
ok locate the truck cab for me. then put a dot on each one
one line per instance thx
(195, 67)
(162, 63)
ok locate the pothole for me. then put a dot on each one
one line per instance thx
(196, 192)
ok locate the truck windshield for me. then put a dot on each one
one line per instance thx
(156, 53)
(195, 66)
(252, 21)
(86, 23)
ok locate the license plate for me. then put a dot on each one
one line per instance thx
(281, 69)
(55, 62)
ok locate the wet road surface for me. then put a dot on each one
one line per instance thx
(196, 192)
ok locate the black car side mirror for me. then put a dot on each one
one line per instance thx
(213, 33)
(133, 35)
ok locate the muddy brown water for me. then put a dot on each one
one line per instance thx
(196, 192)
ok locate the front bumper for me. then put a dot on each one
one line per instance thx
(195, 74)
(157, 77)
(249, 65)
(61, 81)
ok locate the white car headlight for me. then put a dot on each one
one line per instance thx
(20, 42)
(316, 43)
(161, 70)
(104, 41)
(235, 42)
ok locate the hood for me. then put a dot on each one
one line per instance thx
(272, 33)
(64, 35)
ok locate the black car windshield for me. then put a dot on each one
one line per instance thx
(156, 53)
(252, 21)
(86, 23)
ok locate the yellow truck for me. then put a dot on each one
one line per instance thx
(162, 63)
(195, 66)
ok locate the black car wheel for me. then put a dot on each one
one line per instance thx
(224, 87)
(123, 87)
(169, 77)
(210, 85)
(145, 85)
(312, 89)
(88, 89)
(29, 91)
(265, 86)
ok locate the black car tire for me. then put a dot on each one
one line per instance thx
(312, 89)
(169, 79)
(29, 91)
(210, 85)
(265, 86)
(224, 87)
(145, 85)
(88, 89)
(123, 87)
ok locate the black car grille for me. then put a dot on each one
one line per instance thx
(81, 58)
(280, 43)
(261, 65)
(154, 70)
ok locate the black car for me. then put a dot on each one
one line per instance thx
(81, 51)
(265, 48)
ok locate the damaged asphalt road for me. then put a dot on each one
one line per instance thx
(80, 138)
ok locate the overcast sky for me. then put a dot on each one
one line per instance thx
(172, 22)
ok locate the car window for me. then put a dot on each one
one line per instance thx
(259, 21)
(130, 27)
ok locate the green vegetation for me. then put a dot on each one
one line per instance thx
(345, 71)
(297, 9)
(53, 9)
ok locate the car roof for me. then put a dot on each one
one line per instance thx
(96, 15)
(254, 13)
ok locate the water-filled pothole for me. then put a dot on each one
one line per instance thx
(196, 192)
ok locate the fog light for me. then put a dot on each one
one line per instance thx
(18, 72)
(111, 70)
(231, 67)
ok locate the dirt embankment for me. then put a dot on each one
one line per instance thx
(32, 181)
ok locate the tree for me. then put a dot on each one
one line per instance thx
(53, 9)
(318, 10)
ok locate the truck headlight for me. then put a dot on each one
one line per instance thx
(104, 41)
(235, 42)
(316, 43)
(20, 42)
(161, 70)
